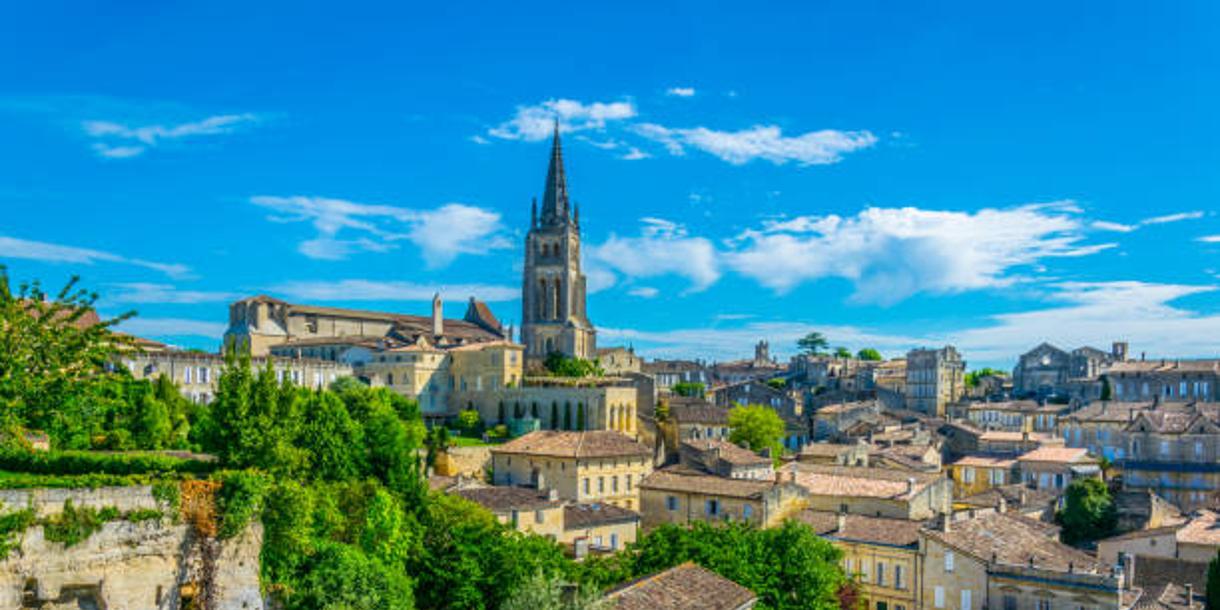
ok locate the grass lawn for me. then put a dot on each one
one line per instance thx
(466, 441)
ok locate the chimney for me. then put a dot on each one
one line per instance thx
(438, 316)
(841, 522)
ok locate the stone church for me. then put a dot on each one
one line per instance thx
(553, 317)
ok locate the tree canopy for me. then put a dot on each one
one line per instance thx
(869, 354)
(813, 343)
(1088, 512)
(688, 388)
(562, 365)
(757, 426)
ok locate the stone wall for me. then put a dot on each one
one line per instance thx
(47, 502)
(466, 461)
(126, 565)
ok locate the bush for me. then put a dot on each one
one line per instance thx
(469, 422)
(239, 500)
(12, 524)
(91, 462)
(74, 525)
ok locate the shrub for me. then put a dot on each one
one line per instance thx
(91, 462)
(74, 525)
(239, 500)
(12, 524)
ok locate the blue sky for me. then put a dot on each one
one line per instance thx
(889, 175)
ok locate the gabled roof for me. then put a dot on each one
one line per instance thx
(570, 444)
(501, 499)
(737, 456)
(684, 587)
(685, 480)
(584, 516)
(861, 528)
(849, 481)
(1007, 539)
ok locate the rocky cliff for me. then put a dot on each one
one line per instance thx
(151, 564)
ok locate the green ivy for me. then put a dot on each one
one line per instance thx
(74, 525)
(239, 500)
(12, 524)
(168, 493)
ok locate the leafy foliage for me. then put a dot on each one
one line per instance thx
(562, 365)
(341, 576)
(778, 383)
(73, 525)
(87, 462)
(548, 593)
(757, 426)
(813, 343)
(1213, 583)
(1088, 512)
(689, 389)
(869, 354)
(239, 500)
(12, 524)
(842, 352)
(973, 377)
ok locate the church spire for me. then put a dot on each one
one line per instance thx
(555, 197)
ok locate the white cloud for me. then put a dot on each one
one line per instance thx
(1096, 313)
(644, 292)
(1168, 218)
(1210, 239)
(1104, 225)
(892, 253)
(120, 141)
(173, 327)
(477, 139)
(145, 292)
(375, 290)
(761, 142)
(533, 123)
(662, 248)
(681, 91)
(12, 247)
(441, 234)
(634, 154)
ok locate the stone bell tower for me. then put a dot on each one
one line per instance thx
(553, 288)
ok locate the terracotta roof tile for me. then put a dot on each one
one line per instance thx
(500, 499)
(1007, 539)
(590, 444)
(861, 528)
(737, 456)
(859, 482)
(684, 587)
(582, 516)
(688, 481)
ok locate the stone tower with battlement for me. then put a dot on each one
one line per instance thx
(553, 317)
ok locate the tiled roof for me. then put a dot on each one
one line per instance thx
(985, 461)
(737, 456)
(696, 413)
(583, 516)
(361, 340)
(1012, 437)
(827, 449)
(1154, 572)
(1203, 528)
(1170, 596)
(880, 530)
(1007, 539)
(1106, 412)
(1021, 406)
(688, 481)
(850, 481)
(590, 444)
(1017, 496)
(684, 587)
(500, 499)
(1067, 455)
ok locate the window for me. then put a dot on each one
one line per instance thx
(968, 475)
(747, 511)
(601, 485)
(514, 518)
(1044, 604)
(948, 562)
(1164, 448)
(899, 581)
(712, 508)
(965, 599)
(882, 606)
(997, 476)
(938, 597)
(628, 480)
(585, 483)
(880, 574)
(1198, 449)
(671, 503)
(205, 374)
(614, 483)
(186, 374)
(614, 541)
(1010, 602)
(538, 516)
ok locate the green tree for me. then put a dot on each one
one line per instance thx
(1088, 512)
(1106, 390)
(1213, 583)
(842, 352)
(567, 416)
(813, 343)
(689, 389)
(580, 416)
(561, 365)
(153, 425)
(758, 426)
(335, 442)
(779, 383)
(973, 377)
(387, 535)
(548, 593)
(342, 577)
(469, 422)
(788, 567)
(54, 362)
(869, 354)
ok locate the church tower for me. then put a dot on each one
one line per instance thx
(553, 289)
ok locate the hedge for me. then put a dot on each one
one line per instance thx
(92, 462)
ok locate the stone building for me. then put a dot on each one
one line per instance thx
(974, 474)
(879, 552)
(762, 366)
(935, 378)
(262, 322)
(669, 373)
(1167, 380)
(553, 317)
(873, 491)
(619, 360)
(1047, 371)
(1054, 468)
(1174, 451)
(197, 373)
(1007, 562)
(600, 466)
(724, 459)
(527, 510)
(681, 495)
(1015, 415)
